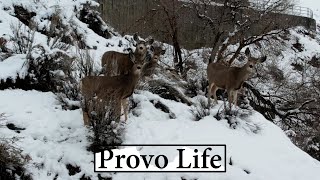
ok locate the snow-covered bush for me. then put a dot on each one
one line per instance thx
(11, 162)
(50, 66)
(50, 71)
(11, 159)
(200, 109)
(22, 38)
(106, 125)
(167, 90)
(85, 64)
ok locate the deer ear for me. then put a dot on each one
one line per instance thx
(148, 57)
(150, 41)
(131, 57)
(163, 52)
(247, 52)
(263, 59)
(129, 50)
(135, 37)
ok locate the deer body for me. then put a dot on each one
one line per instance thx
(109, 91)
(116, 63)
(231, 79)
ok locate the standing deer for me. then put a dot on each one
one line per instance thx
(116, 63)
(149, 67)
(221, 76)
(109, 91)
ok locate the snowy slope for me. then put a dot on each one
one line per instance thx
(54, 137)
(45, 9)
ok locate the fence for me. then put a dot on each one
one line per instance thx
(130, 16)
(300, 11)
(282, 8)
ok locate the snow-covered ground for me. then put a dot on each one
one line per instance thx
(54, 137)
(13, 67)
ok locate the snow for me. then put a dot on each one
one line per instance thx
(55, 137)
(52, 138)
(267, 159)
(13, 67)
(290, 55)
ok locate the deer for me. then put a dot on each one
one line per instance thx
(149, 67)
(221, 76)
(117, 63)
(104, 89)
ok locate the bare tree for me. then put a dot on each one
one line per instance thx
(170, 8)
(166, 14)
(238, 22)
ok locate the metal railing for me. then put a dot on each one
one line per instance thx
(278, 8)
(300, 11)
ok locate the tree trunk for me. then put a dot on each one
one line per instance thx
(177, 49)
(215, 46)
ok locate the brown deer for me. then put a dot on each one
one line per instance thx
(221, 76)
(116, 63)
(149, 67)
(104, 91)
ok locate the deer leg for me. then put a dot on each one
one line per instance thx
(125, 106)
(235, 98)
(85, 115)
(117, 109)
(230, 96)
(209, 94)
(214, 92)
(85, 118)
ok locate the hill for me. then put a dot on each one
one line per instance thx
(50, 134)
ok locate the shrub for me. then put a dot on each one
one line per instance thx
(23, 38)
(200, 110)
(49, 66)
(106, 125)
(11, 159)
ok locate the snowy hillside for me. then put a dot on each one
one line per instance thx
(55, 141)
(54, 138)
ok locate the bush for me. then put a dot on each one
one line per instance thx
(106, 125)
(196, 87)
(51, 71)
(23, 38)
(11, 160)
(50, 67)
(167, 90)
(85, 64)
(200, 110)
